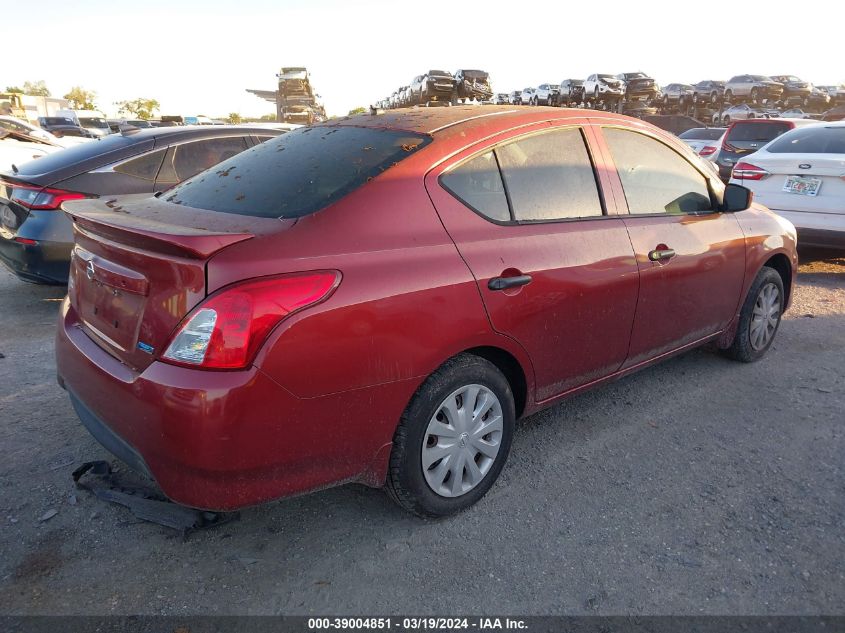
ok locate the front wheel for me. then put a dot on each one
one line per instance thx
(760, 317)
(453, 439)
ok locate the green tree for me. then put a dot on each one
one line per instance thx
(268, 117)
(140, 107)
(358, 111)
(36, 88)
(14, 89)
(81, 99)
(235, 118)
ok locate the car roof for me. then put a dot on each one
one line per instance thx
(449, 120)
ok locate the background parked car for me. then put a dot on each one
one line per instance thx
(36, 238)
(473, 84)
(746, 137)
(677, 94)
(740, 112)
(754, 87)
(92, 120)
(435, 85)
(601, 87)
(704, 141)
(708, 91)
(527, 96)
(15, 124)
(547, 94)
(571, 91)
(798, 113)
(639, 86)
(502, 98)
(794, 88)
(61, 127)
(799, 176)
(515, 97)
(17, 148)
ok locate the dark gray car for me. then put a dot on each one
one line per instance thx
(36, 236)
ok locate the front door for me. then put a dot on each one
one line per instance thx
(691, 258)
(555, 271)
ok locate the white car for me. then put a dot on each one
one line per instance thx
(601, 87)
(25, 127)
(801, 176)
(742, 112)
(17, 149)
(527, 97)
(704, 141)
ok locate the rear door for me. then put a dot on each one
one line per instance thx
(691, 258)
(555, 270)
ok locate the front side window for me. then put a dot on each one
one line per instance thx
(550, 177)
(654, 177)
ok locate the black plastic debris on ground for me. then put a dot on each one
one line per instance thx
(145, 502)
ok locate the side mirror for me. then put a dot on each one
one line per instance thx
(737, 198)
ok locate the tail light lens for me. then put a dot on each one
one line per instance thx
(709, 150)
(747, 171)
(226, 330)
(39, 198)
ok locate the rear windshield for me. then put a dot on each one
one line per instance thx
(759, 132)
(75, 154)
(704, 133)
(56, 120)
(811, 140)
(298, 173)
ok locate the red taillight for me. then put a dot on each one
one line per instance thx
(709, 150)
(39, 198)
(747, 171)
(226, 330)
(26, 241)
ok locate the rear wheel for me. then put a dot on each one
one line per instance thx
(760, 317)
(755, 94)
(729, 96)
(453, 438)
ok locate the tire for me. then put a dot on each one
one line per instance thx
(409, 483)
(714, 97)
(759, 318)
(726, 120)
(596, 94)
(729, 96)
(755, 94)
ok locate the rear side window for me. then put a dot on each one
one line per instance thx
(144, 167)
(79, 153)
(189, 159)
(550, 177)
(299, 172)
(810, 140)
(654, 177)
(703, 134)
(759, 132)
(478, 184)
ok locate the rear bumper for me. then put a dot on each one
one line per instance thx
(225, 440)
(820, 230)
(44, 262)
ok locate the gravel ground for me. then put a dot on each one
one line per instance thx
(700, 486)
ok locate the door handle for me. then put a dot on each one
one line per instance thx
(503, 283)
(659, 254)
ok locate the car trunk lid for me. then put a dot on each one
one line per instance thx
(139, 266)
(821, 187)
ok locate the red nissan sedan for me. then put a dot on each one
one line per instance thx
(378, 299)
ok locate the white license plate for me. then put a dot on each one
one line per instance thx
(802, 185)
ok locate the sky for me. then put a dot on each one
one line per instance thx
(198, 57)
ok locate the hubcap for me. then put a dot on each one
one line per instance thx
(764, 317)
(462, 440)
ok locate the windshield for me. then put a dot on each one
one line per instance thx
(704, 133)
(760, 78)
(757, 132)
(606, 77)
(815, 139)
(93, 122)
(298, 173)
(439, 73)
(634, 76)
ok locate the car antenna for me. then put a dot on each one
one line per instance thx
(14, 168)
